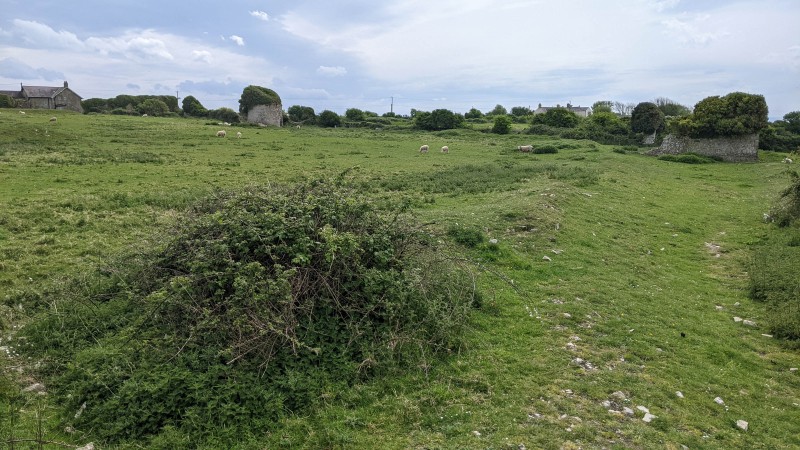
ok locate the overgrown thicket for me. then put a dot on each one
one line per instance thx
(773, 271)
(262, 302)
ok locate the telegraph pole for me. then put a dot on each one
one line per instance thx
(391, 107)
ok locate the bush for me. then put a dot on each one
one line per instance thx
(646, 118)
(557, 117)
(224, 114)
(735, 114)
(773, 281)
(688, 158)
(263, 300)
(468, 237)
(544, 149)
(7, 102)
(354, 114)
(329, 119)
(304, 114)
(502, 125)
(253, 96)
(192, 107)
(153, 107)
(787, 209)
(438, 119)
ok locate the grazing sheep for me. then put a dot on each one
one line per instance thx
(424, 149)
(226, 124)
(445, 149)
(298, 127)
(221, 133)
(22, 112)
(525, 148)
(787, 160)
(144, 115)
(53, 119)
(238, 134)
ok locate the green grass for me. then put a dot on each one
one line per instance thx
(631, 286)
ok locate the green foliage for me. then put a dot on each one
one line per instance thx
(688, 158)
(261, 301)
(329, 119)
(786, 211)
(544, 149)
(192, 107)
(7, 102)
(671, 108)
(438, 119)
(153, 107)
(224, 114)
(473, 113)
(502, 125)
(499, 110)
(304, 114)
(94, 105)
(602, 106)
(354, 114)
(646, 118)
(256, 95)
(773, 281)
(467, 236)
(521, 111)
(735, 114)
(557, 117)
(792, 122)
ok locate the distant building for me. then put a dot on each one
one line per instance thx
(46, 97)
(580, 111)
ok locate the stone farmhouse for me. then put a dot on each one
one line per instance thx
(580, 111)
(46, 97)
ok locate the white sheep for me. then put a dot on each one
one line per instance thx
(787, 160)
(424, 149)
(53, 119)
(221, 133)
(144, 115)
(238, 134)
(226, 124)
(445, 149)
(525, 148)
(22, 112)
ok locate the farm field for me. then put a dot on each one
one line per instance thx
(613, 285)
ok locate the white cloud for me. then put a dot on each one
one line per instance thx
(336, 71)
(202, 55)
(238, 39)
(261, 15)
(42, 36)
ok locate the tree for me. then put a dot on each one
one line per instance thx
(303, 114)
(735, 114)
(92, 105)
(253, 96)
(623, 109)
(671, 108)
(497, 111)
(153, 107)
(792, 122)
(521, 111)
(329, 119)
(608, 122)
(602, 106)
(558, 117)
(224, 114)
(354, 114)
(438, 119)
(473, 114)
(646, 118)
(502, 125)
(192, 107)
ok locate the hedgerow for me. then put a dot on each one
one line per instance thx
(261, 303)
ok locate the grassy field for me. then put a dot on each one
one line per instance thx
(614, 282)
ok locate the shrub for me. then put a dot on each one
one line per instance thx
(7, 102)
(544, 149)
(193, 107)
(224, 114)
(688, 158)
(466, 236)
(354, 114)
(557, 117)
(153, 107)
(329, 119)
(304, 114)
(438, 119)
(773, 281)
(735, 114)
(502, 125)
(787, 209)
(646, 118)
(262, 300)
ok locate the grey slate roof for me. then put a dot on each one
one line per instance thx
(41, 91)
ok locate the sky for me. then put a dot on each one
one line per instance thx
(398, 55)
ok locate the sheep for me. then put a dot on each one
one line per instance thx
(238, 135)
(53, 119)
(221, 133)
(445, 149)
(298, 127)
(424, 149)
(22, 112)
(525, 148)
(787, 160)
(226, 124)
(144, 115)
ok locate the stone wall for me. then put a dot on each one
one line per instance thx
(266, 114)
(731, 149)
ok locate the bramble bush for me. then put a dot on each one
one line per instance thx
(262, 302)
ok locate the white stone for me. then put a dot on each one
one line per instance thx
(719, 401)
(477, 433)
(89, 446)
(793, 369)
(606, 404)
(493, 241)
(679, 394)
(546, 258)
(627, 411)
(35, 387)
(737, 319)
(749, 323)
(619, 394)
(742, 424)
(567, 315)
(648, 417)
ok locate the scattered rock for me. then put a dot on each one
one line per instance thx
(742, 424)
(793, 369)
(493, 241)
(35, 387)
(719, 401)
(620, 395)
(557, 251)
(567, 315)
(606, 404)
(89, 446)
(749, 323)
(679, 394)
(766, 335)
(648, 417)
(643, 409)
(737, 319)
(546, 258)
(627, 411)
(477, 433)
(571, 346)
(736, 304)
(574, 338)
(614, 412)
(718, 307)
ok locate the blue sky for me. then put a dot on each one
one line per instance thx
(420, 54)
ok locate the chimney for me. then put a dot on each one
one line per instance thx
(66, 85)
